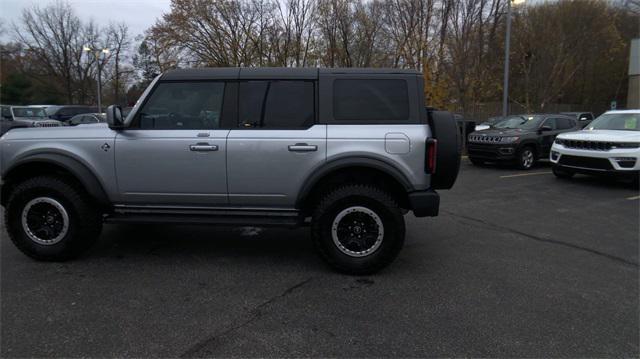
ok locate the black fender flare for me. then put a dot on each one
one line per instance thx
(357, 161)
(86, 177)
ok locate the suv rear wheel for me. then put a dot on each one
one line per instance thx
(358, 229)
(49, 219)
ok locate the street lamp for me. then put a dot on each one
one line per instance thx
(96, 55)
(507, 45)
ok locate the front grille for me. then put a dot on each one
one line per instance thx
(588, 145)
(586, 162)
(484, 139)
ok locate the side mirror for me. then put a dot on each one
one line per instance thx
(114, 117)
(583, 119)
(545, 129)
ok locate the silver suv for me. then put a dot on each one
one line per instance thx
(346, 151)
(24, 116)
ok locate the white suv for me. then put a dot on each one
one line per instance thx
(609, 145)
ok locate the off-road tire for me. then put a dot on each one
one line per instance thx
(530, 162)
(84, 220)
(560, 173)
(369, 197)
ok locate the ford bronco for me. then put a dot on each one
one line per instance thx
(347, 151)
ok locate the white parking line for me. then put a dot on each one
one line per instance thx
(632, 198)
(526, 174)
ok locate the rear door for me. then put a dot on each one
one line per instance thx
(174, 152)
(547, 137)
(277, 142)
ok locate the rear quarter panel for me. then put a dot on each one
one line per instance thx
(401, 146)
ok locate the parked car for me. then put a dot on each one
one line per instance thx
(87, 118)
(583, 118)
(24, 116)
(348, 151)
(520, 139)
(610, 145)
(489, 123)
(65, 113)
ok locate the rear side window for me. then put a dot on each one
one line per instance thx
(374, 99)
(565, 123)
(276, 104)
(183, 106)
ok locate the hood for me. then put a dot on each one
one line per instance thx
(99, 130)
(502, 132)
(602, 135)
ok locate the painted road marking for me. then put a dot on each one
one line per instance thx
(633, 198)
(526, 174)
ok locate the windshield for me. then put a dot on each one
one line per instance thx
(29, 112)
(616, 121)
(520, 122)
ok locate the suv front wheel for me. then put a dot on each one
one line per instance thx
(358, 229)
(49, 218)
(526, 158)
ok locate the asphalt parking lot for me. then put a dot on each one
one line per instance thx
(518, 264)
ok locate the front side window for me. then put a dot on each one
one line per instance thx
(182, 106)
(372, 99)
(276, 104)
(551, 123)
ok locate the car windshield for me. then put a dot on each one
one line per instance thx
(616, 121)
(29, 112)
(520, 122)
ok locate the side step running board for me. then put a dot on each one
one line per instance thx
(235, 217)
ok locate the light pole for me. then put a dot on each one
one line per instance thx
(96, 55)
(507, 45)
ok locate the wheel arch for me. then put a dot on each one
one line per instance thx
(53, 163)
(360, 169)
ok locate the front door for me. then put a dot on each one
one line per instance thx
(276, 145)
(174, 152)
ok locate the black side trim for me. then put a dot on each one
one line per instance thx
(335, 165)
(424, 203)
(77, 169)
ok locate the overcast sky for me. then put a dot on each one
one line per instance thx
(138, 14)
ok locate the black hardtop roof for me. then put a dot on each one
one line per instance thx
(303, 73)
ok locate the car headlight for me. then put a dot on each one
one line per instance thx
(510, 139)
(559, 141)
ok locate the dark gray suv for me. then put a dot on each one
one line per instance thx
(518, 139)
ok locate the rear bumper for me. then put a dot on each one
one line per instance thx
(424, 203)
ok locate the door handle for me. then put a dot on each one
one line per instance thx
(203, 147)
(302, 147)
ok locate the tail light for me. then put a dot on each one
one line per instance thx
(431, 155)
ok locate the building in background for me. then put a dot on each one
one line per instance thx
(633, 96)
